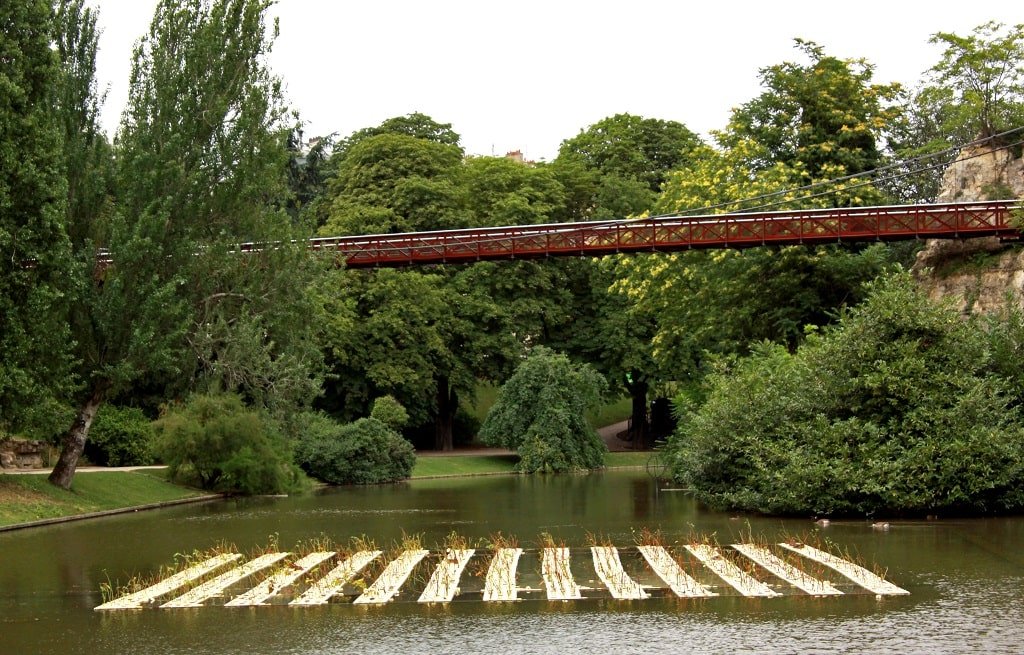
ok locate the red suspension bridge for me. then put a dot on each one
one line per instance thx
(669, 234)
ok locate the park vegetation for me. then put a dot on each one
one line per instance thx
(804, 379)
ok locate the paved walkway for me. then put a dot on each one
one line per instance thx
(610, 434)
(80, 469)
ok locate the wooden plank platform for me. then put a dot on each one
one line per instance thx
(332, 584)
(386, 587)
(500, 583)
(609, 569)
(735, 577)
(557, 575)
(150, 594)
(857, 574)
(783, 569)
(675, 577)
(196, 597)
(444, 583)
(281, 580)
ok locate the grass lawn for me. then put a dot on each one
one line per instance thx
(640, 458)
(463, 465)
(475, 464)
(30, 497)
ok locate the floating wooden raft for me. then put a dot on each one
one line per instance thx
(391, 580)
(783, 569)
(558, 582)
(713, 559)
(334, 582)
(444, 583)
(196, 597)
(150, 594)
(857, 574)
(500, 583)
(609, 568)
(675, 577)
(270, 587)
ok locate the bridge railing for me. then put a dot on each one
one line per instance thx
(811, 226)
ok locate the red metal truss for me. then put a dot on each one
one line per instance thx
(812, 226)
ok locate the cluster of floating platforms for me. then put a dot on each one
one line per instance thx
(509, 574)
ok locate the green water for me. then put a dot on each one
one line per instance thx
(966, 578)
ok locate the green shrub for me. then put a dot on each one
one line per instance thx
(364, 452)
(892, 410)
(215, 441)
(120, 436)
(390, 412)
(541, 413)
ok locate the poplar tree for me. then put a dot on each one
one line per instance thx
(201, 167)
(34, 249)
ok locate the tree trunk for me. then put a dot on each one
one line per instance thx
(74, 438)
(447, 405)
(639, 427)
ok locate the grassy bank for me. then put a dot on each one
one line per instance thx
(26, 498)
(481, 464)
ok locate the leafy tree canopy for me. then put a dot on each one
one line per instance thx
(201, 166)
(616, 167)
(396, 183)
(823, 113)
(979, 80)
(976, 90)
(416, 125)
(723, 301)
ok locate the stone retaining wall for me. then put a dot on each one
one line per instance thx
(21, 454)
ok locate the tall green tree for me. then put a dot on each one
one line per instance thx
(824, 113)
(395, 183)
(416, 125)
(724, 301)
(35, 262)
(976, 90)
(984, 71)
(615, 167)
(201, 167)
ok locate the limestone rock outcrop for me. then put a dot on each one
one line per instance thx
(976, 275)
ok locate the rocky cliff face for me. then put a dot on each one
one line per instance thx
(976, 275)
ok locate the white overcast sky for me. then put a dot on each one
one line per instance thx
(527, 74)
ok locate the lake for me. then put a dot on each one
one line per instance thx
(965, 577)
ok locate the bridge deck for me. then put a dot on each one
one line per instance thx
(667, 234)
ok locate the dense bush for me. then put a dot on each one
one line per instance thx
(215, 441)
(367, 451)
(390, 412)
(120, 436)
(540, 413)
(892, 410)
